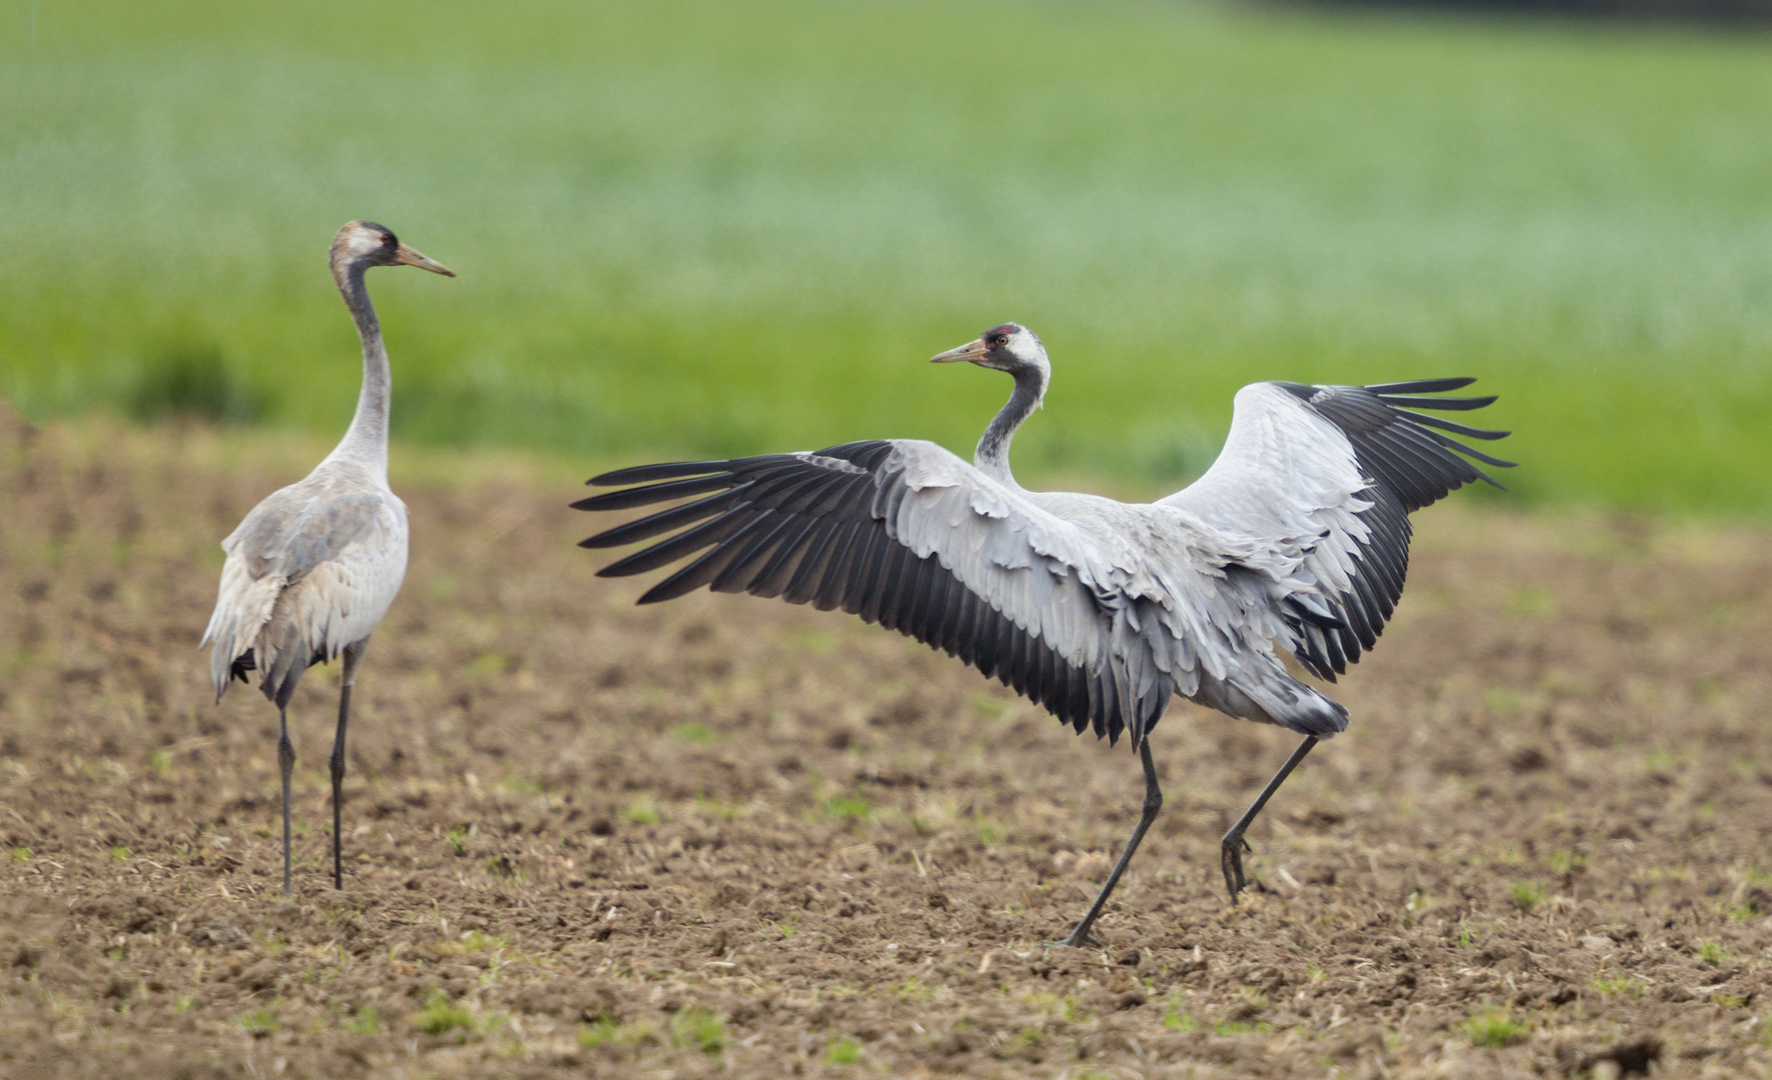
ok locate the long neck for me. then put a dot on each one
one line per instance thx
(367, 440)
(992, 456)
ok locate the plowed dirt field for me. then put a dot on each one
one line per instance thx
(725, 835)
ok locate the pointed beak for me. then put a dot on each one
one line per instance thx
(408, 257)
(972, 352)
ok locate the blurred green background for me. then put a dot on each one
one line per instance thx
(720, 228)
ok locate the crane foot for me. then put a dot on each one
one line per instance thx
(1231, 860)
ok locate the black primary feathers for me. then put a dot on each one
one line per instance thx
(811, 529)
(1410, 465)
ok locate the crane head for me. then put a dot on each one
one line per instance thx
(367, 244)
(1009, 347)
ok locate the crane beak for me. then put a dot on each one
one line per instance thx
(408, 257)
(972, 352)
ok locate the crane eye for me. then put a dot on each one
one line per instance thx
(998, 342)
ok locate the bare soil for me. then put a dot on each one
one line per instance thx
(724, 835)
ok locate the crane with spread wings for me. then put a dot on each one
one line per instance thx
(1097, 610)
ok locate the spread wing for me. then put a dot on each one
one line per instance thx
(905, 534)
(1320, 481)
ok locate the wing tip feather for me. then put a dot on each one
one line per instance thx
(667, 470)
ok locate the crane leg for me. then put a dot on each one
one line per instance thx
(286, 763)
(352, 657)
(1232, 846)
(1153, 802)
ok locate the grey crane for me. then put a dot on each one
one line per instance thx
(1096, 609)
(313, 568)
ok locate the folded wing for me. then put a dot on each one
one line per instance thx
(310, 570)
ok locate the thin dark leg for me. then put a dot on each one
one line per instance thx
(285, 762)
(353, 654)
(1231, 847)
(338, 784)
(1153, 802)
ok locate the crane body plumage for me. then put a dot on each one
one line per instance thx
(1096, 609)
(310, 571)
(314, 567)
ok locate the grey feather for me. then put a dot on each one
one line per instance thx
(308, 523)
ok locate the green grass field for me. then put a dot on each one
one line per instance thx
(710, 228)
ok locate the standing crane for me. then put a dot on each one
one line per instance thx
(313, 568)
(1096, 609)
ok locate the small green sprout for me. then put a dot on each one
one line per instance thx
(442, 1015)
(843, 1051)
(260, 1023)
(848, 808)
(365, 1021)
(1494, 1028)
(697, 1028)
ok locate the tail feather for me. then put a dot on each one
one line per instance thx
(283, 657)
(241, 612)
(1270, 696)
